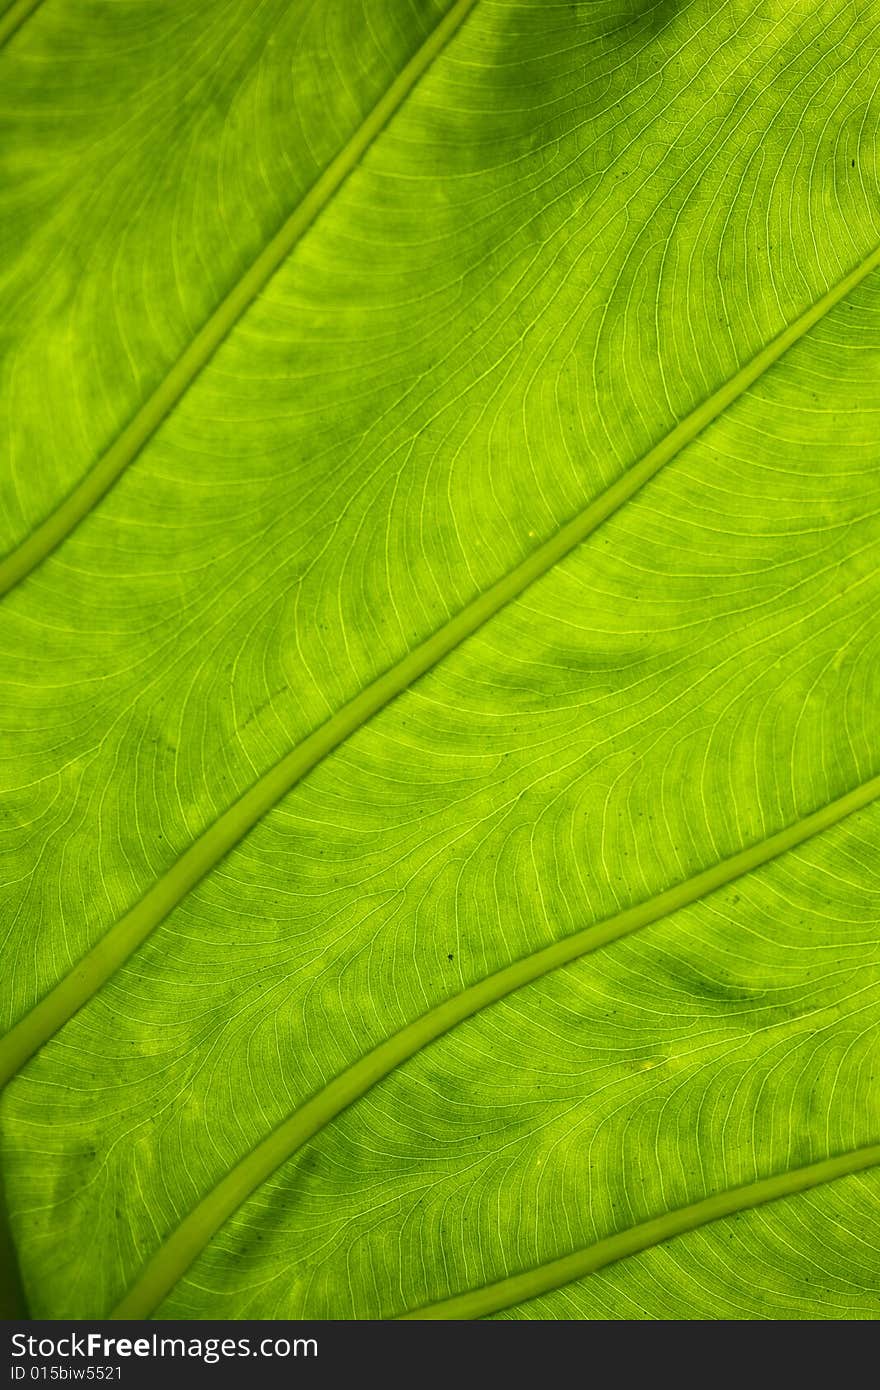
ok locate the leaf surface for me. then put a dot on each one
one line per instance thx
(578, 226)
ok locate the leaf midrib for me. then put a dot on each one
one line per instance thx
(180, 1249)
(203, 855)
(56, 527)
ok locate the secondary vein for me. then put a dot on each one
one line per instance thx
(115, 947)
(15, 16)
(88, 492)
(178, 1251)
(519, 1288)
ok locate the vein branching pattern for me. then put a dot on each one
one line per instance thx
(478, 1303)
(205, 853)
(578, 226)
(40, 542)
(173, 1259)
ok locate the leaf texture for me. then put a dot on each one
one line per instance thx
(580, 223)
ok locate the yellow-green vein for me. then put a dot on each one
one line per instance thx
(177, 1253)
(96, 967)
(88, 492)
(519, 1288)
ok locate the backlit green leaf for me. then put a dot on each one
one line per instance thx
(441, 500)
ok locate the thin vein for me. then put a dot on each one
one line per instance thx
(15, 16)
(181, 1248)
(544, 1278)
(206, 852)
(92, 487)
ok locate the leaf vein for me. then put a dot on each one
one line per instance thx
(554, 1274)
(181, 1248)
(21, 561)
(206, 852)
(14, 17)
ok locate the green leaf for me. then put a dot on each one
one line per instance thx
(439, 658)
